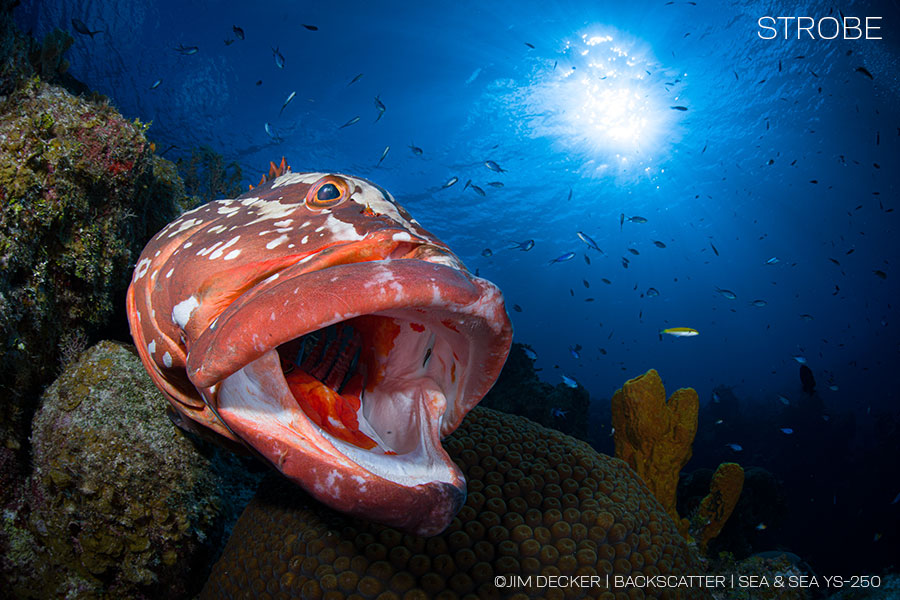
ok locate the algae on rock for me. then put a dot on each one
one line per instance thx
(121, 503)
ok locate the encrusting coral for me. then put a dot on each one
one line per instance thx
(539, 503)
(654, 436)
(121, 504)
(714, 510)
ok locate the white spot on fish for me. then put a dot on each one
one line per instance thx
(181, 314)
(276, 242)
(227, 244)
(233, 254)
(216, 229)
(184, 225)
(189, 244)
(151, 347)
(142, 268)
(167, 360)
(401, 237)
(305, 238)
(225, 210)
(205, 251)
(169, 274)
(284, 223)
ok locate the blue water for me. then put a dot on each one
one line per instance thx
(586, 112)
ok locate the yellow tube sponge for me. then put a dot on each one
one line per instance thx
(654, 436)
(724, 491)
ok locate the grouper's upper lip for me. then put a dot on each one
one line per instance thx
(297, 300)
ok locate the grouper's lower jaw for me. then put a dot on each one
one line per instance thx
(419, 490)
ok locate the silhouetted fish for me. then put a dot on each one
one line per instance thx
(807, 379)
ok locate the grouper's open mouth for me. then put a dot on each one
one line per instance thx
(347, 377)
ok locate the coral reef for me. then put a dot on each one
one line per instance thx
(539, 502)
(654, 437)
(80, 194)
(714, 510)
(758, 519)
(519, 391)
(207, 177)
(769, 565)
(48, 59)
(121, 504)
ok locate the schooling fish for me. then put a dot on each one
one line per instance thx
(314, 321)
(735, 447)
(494, 166)
(658, 244)
(380, 107)
(186, 50)
(286, 102)
(156, 84)
(523, 246)
(415, 150)
(636, 219)
(563, 257)
(727, 293)
(270, 131)
(279, 59)
(589, 241)
(352, 121)
(569, 381)
(81, 28)
(383, 155)
(355, 79)
(238, 32)
(450, 182)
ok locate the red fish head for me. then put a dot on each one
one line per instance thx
(316, 322)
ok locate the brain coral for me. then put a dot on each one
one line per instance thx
(540, 502)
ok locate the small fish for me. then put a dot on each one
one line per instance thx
(310, 27)
(487, 253)
(380, 107)
(713, 246)
(586, 283)
(156, 84)
(238, 32)
(517, 308)
(772, 261)
(606, 281)
(467, 184)
(496, 184)
(558, 413)
(761, 527)
(587, 259)
(784, 400)
(621, 220)
(759, 303)
(286, 102)
(799, 359)
(416, 150)
(880, 274)
(681, 108)
(270, 131)
(787, 430)
(81, 28)
(719, 422)
(563, 257)
(279, 58)
(652, 292)
(477, 190)
(634, 251)
(523, 246)
(625, 263)
(355, 79)
(383, 155)
(259, 82)
(186, 50)
(573, 350)
(569, 199)
(679, 332)
(494, 166)
(530, 353)
(636, 219)
(587, 240)
(352, 121)
(450, 182)
(229, 42)
(861, 70)
(716, 398)
(833, 388)
(727, 293)
(735, 447)
(569, 381)
(806, 317)
(658, 244)
(529, 45)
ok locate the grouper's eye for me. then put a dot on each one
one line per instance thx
(327, 191)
